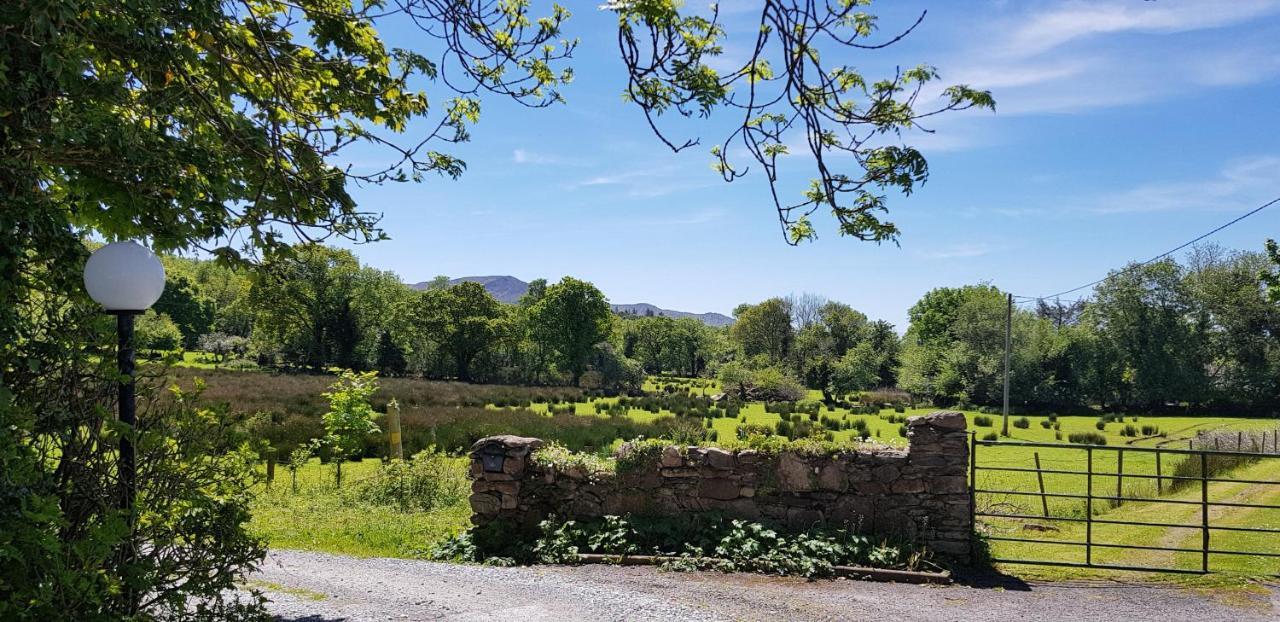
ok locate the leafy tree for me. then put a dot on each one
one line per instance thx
(155, 331)
(192, 312)
(222, 345)
(857, 370)
(570, 320)
(763, 329)
(674, 60)
(1144, 313)
(439, 281)
(391, 360)
(464, 319)
(350, 416)
(1271, 275)
(611, 371)
(302, 301)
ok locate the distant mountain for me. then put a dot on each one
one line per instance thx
(509, 289)
(644, 308)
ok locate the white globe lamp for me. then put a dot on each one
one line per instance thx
(124, 277)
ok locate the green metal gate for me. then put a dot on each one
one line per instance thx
(1169, 477)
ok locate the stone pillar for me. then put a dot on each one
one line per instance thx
(939, 455)
(498, 464)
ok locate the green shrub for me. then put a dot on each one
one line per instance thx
(1022, 423)
(1101, 425)
(990, 436)
(427, 481)
(1150, 430)
(983, 421)
(1087, 438)
(1129, 430)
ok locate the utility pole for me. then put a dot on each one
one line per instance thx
(1008, 338)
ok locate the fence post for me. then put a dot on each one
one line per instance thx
(1044, 501)
(1088, 512)
(973, 496)
(1204, 512)
(1239, 440)
(1159, 476)
(1119, 475)
(393, 430)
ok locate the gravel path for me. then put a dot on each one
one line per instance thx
(314, 587)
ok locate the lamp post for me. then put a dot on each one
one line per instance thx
(126, 279)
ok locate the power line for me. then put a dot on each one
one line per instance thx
(1161, 255)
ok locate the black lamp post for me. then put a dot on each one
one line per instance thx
(126, 279)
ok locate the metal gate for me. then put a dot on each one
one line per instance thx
(1164, 477)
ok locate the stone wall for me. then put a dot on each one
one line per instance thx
(921, 493)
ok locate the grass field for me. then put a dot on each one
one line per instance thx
(321, 517)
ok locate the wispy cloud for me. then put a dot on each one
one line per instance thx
(1072, 57)
(1238, 186)
(649, 182)
(1049, 29)
(524, 156)
(958, 251)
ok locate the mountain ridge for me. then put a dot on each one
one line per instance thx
(509, 289)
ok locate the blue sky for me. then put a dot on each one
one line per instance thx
(1122, 129)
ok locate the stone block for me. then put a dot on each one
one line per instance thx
(945, 420)
(719, 459)
(484, 504)
(908, 486)
(794, 474)
(832, 477)
(671, 457)
(721, 488)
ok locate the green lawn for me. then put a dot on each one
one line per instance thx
(320, 517)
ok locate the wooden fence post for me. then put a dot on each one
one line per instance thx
(393, 430)
(1044, 501)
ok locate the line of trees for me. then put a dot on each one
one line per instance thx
(318, 308)
(1204, 332)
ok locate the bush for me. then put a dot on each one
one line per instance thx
(427, 481)
(982, 421)
(1101, 425)
(990, 436)
(1087, 438)
(1022, 423)
(1150, 430)
(1129, 430)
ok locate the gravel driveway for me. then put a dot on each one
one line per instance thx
(314, 587)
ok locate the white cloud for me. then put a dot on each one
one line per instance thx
(958, 251)
(1046, 30)
(1070, 58)
(650, 182)
(524, 156)
(1239, 185)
